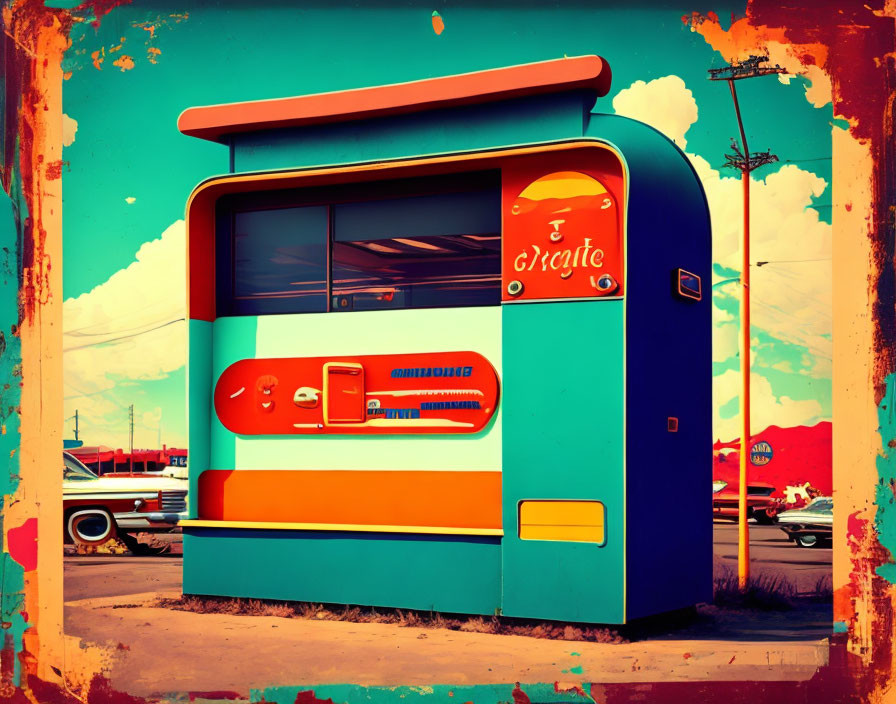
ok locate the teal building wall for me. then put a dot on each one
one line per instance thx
(582, 416)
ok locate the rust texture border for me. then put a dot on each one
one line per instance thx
(852, 44)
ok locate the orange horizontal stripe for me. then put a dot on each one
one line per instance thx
(215, 122)
(399, 498)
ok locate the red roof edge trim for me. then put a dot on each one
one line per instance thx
(216, 122)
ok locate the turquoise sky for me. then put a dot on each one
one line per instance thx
(127, 143)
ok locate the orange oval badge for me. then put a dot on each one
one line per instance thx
(444, 392)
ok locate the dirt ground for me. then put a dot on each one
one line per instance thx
(113, 601)
(155, 651)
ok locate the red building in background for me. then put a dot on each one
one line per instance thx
(105, 460)
(783, 457)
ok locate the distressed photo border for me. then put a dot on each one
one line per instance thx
(851, 43)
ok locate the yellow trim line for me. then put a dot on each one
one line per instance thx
(261, 525)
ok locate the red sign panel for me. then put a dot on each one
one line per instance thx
(563, 229)
(444, 392)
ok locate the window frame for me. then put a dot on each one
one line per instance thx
(329, 196)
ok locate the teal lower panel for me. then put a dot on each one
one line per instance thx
(563, 419)
(564, 581)
(450, 574)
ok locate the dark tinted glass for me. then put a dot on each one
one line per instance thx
(824, 506)
(280, 260)
(760, 490)
(429, 251)
(411, 243)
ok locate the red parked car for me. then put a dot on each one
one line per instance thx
(98, 509)
(761, 505)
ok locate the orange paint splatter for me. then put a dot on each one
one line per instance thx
(743, 39)
(152, 53)
(124, 62)
(66, 75)
(438, 24)
(98, 57)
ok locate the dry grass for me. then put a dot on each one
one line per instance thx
(823, 590)
(112, 546)
(398, 617)
(766, 592)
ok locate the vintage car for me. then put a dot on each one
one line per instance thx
(98, 509)
(761, 505)
(810, 526)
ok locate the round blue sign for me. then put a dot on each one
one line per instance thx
(761, 453)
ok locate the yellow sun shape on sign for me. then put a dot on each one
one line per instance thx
(563, 184)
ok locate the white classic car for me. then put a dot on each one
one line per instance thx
(810, 526)
(98, 509)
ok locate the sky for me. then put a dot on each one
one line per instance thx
(129, 172)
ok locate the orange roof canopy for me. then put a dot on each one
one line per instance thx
(216, 122)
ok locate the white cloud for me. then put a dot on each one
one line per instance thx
(129, 328)
(151, 419)
(765, 407)
(725, 340)
(663, 103)
(791, 294)
(69, 128)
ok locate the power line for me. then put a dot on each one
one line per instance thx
(78, 333)
(791, 261)
(82, 394)
(787, 161)
(123, 337)
(815, 158)
(121, 316)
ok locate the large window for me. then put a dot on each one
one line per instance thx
(405, 244)
(280, 260)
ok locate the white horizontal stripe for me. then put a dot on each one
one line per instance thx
(366, 333)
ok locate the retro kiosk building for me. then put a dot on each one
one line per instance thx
(449, 349)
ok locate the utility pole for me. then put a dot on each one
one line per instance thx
(131, 429)
(745, 162)
(76, 425)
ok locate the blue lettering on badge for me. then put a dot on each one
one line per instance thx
(417, 372)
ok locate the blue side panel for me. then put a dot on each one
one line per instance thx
(514, 122)
(562, 401)
(669, 373)
(450, 574)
